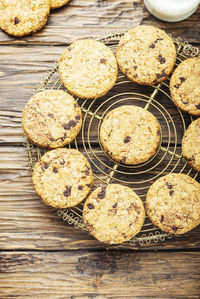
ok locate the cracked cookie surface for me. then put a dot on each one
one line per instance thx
(62, 178)
(191, 144)
(58, 3)
(88, 69)
(173, 203)
(146, 54)
(185, 86)
(51, 119)
(113, 214)
(130, 134)
(22, 17)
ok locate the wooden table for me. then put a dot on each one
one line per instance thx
(42, 257)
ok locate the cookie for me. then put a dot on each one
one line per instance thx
(88, 69)
(130, 134)
(185, 86)
(191, 144)
(22, 17)
(62, 178)
(146, 55)
(51, 119)
(113, 214)
(58, 3)
(173, 203)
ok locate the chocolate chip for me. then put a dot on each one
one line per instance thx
(127, 139)
(177, 86)
(115, 205)
(62, 162)
(163, 74)
(67, 191)
(46, 165)
(198, 106)
(102, 60)
(90, 206)
(86, 172)
(80, 187)
(158, 40)
(123, 160)
(152, 46)
(182, 79)
(161, 59)
(191, 159)
(162, 218)
(42, 168)
(185, 102)
(50, 115)
(69, 125)
(102, 194)
(135, 67)
(77, 117)
(171, 192)
(16, 21)
(174, 228)
(52, 139)
(169, 185)
(64, 137)
(90, 227)
(55, 170)
(88, 185)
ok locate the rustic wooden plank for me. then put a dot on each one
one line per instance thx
(26, 223)
(107, 274)
(22, 69)
(94, 17)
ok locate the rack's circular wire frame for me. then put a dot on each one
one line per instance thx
(168, 157)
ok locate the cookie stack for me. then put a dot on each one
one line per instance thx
(128, 134)
(22, 17)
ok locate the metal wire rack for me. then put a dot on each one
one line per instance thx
(168, 158)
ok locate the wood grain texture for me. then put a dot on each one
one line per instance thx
(102, 275)
(26, 223)
(89, 18)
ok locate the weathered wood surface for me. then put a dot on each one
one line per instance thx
(91, 18)
(99, 275)
(41, 256)
(26, 223)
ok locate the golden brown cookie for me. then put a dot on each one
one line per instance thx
(58, 3)
(173, 203)
(22, 17)
(146, 54)
(51, 119)
(62, 178)
(191, 144)
(113, 214)
(185, 86)
(88, 69)
(130, 134)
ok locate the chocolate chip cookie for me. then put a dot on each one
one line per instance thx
(88, 69)
(113, 214)
(173, 203)
(191, 144)
(130, 134)
(62, 178)
(22, 17)
(185, 86)
(146, 55)
(58, 3)
(51, 119)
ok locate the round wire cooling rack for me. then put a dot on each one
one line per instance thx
(168, 158)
